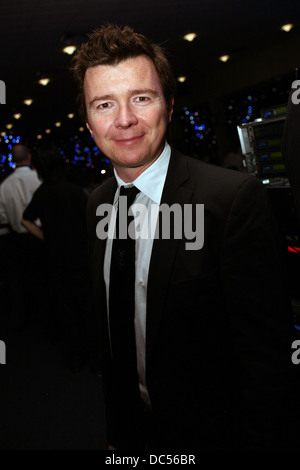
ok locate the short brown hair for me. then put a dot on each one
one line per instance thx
(112, 44)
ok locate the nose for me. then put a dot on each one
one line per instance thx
(125, 116)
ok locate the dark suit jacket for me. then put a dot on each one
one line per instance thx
(291, 150)
(217, 318)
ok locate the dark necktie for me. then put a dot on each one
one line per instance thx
(121, 291)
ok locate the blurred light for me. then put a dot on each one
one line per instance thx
(28, 101)
(287, 27)
(190, 37)
(9, 126)
(181, 79)
(58, 124)
(71, 115)
(44, 81)
(39, 137)
(81, 129)
(224, 58)
(48, 131)
(103, 172)
(17, 115)
(69, 49)
(3, 134)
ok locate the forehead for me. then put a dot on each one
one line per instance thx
(136, 72)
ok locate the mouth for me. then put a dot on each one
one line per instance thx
(129, 140)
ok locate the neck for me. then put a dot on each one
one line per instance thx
(129, 174)
(19, 165)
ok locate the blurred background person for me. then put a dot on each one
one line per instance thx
(61, 207)
(23, 250)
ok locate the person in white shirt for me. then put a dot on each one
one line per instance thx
(17, 189)
(24, 250)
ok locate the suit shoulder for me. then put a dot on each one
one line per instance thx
(100, 193)
(213, 176)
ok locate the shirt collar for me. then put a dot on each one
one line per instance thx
(151, 181)
(22, 167)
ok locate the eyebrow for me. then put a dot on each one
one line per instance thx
(142, 91)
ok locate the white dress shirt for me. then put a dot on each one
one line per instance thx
(15, 194)
(150, 183)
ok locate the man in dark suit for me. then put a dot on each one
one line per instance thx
(211, 322)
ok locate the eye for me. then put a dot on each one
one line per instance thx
(142, 99)
(104, 105)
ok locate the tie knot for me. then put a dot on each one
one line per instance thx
(130, 192)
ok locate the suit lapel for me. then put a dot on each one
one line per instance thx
(164, 251)
(99, 249)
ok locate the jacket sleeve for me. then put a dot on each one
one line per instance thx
(260, 315)
(291, 147)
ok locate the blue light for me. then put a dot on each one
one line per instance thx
(198, 135)
(297, 327)
(95, 149)
(107, 160)
(9, 146)
(187, 113)
(196, 128)
(243, 120)
(202, 127)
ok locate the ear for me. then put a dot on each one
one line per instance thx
(170, 110)
(89, 128)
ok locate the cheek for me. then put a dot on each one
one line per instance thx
(99, 129)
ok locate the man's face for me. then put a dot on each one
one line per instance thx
(127, 114)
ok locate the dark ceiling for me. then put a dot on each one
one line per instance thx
(32, 33)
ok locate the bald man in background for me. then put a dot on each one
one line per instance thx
(23, 249)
